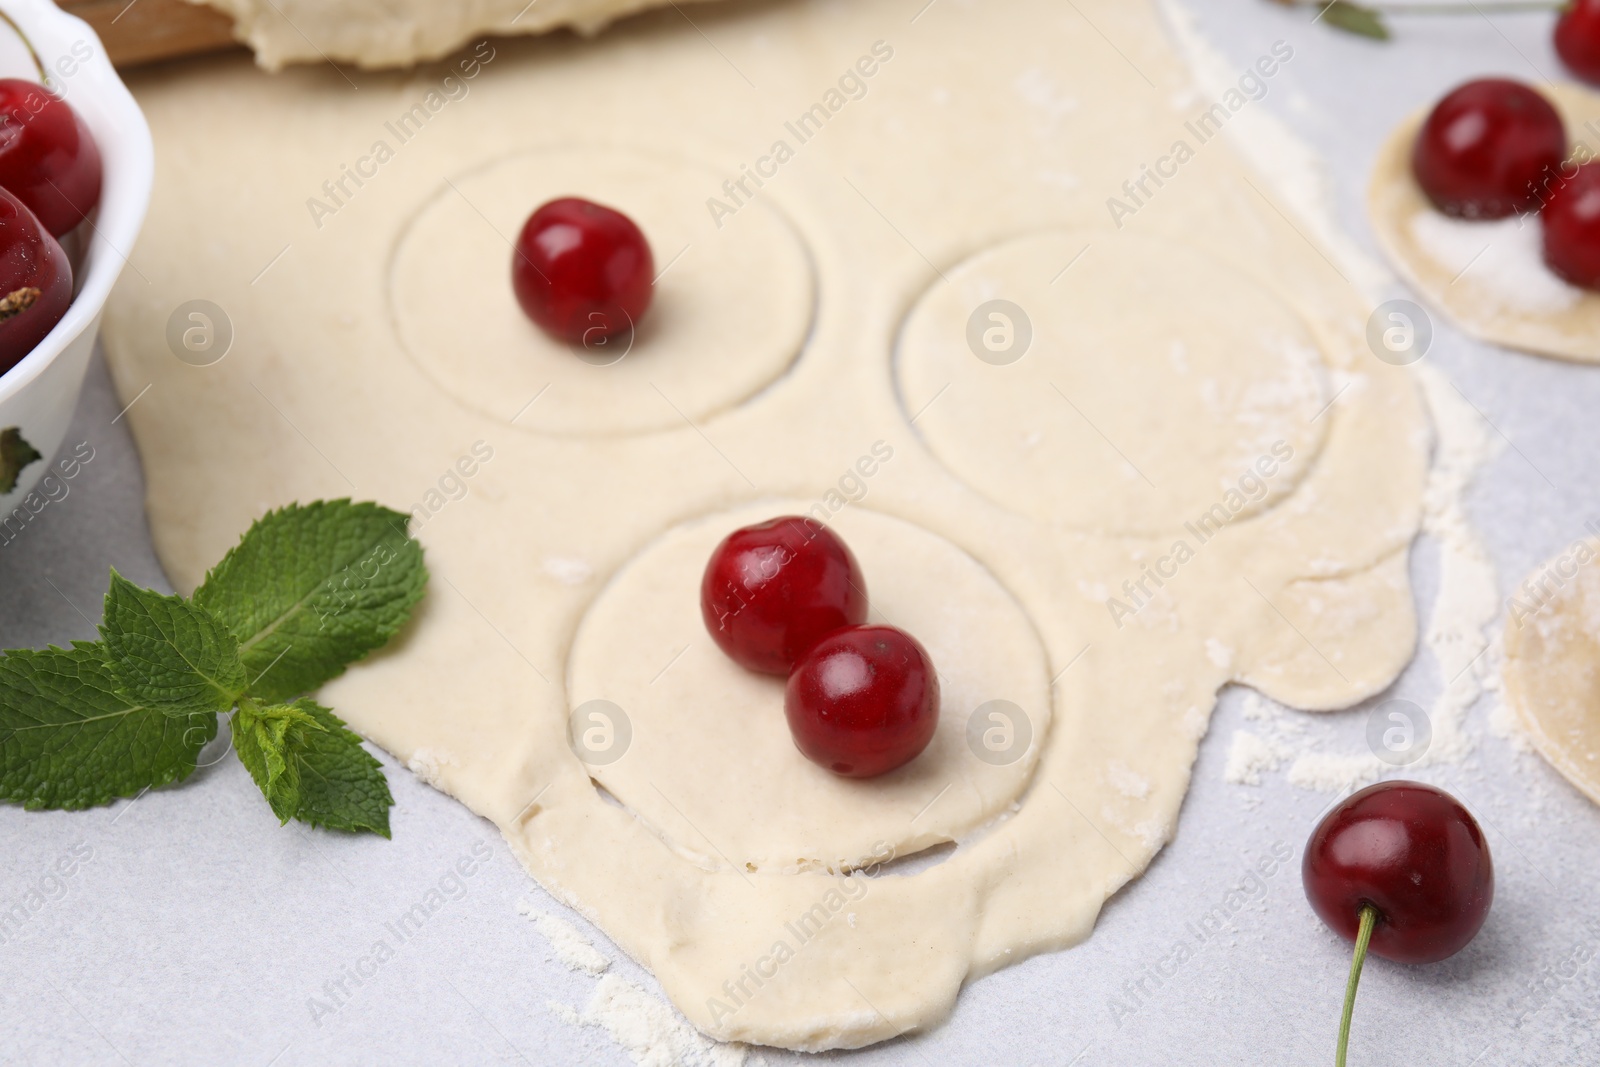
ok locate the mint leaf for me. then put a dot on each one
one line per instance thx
(310, 590)
(1356, 19)
(69, 739)
(168, 654)
(266, 739)
(310, 767)
(342, 786)
(15, 454)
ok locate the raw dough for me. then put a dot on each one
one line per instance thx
(1226, 360)
(1552, 668)
(941, 142)
(730, 313)
(1489, 277)
(398, 33)
(707, 729)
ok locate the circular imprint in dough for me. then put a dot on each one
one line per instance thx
(1552, 670)
(731, 310)
(1154, 379)
(711, 766)
(1489, 277)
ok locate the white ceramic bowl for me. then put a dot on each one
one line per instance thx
(40, 42)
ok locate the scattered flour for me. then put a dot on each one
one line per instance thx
(1504, 258)
(1250, 755)
(1468, 602)
(648, 1028)
(1127, 781)
(1333, 772)
(425, 763)
(566, 941)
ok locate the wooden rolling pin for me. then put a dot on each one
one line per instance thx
(148, 30)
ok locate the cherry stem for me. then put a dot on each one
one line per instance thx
(1369, 919)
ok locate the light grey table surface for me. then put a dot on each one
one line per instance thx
(196, 930)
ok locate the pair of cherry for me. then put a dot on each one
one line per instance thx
(50, 179)
(1493, 148)
(787, 597)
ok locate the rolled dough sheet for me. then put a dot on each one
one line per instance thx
(399, 33)
(1552, 668)
(1195, 519)
(1489, 277)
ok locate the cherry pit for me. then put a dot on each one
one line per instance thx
(787, 597)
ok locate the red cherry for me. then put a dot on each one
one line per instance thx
(1413, 853)
(864, 701)
(1487, 149)
(1572, 227)
(1578, 39)
(35, 281)
(48, 157)
(581, 271)
(1400, 868)
(773, 590)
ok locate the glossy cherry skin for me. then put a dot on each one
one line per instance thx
(864, 701)
(1578, 39)
(35, 281)
(48, 157)
(1572, 227)
(1487, 149)
(582, 272)
(1414, 853)
(773, 590)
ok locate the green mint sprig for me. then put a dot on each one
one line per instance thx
(307, 591)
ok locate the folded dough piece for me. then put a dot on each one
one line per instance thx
(397, 33)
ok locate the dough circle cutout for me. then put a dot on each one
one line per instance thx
(1489, 277)
(710, 764)
(731, 311)
(1552, 670)
(1145, 375)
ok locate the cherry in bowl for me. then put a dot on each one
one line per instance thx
(35, 281)
(1489, 149)
(864, 701)
(48, 157)
(771, 591)
(583, 272)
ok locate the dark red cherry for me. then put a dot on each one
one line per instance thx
(1578, 39)
(864, 701)
(1413, 853)
(1488, 149)
(773, 590)
(35, 281)
(48, 157)
(1572, 227)
(581, 271)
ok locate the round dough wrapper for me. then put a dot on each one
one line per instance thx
(704, 730)
(1552, 671)
(1063, 360)
(730, 312)
(1488, 277)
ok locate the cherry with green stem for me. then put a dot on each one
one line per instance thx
(1403, 870)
